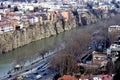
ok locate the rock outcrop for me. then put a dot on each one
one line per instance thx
(14, 39)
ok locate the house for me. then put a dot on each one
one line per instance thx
(66, 14)
(25, 21)
(99, 58)
(52, 15)
(4, 11)
(67, 77)
(50, 5)
(33, 19)
(115, 47)
(18, 24)
(5, 27)
(94, 60)
(26, 7)
(12, 15)
(36, 19)
(87, 77)
(114, 28)
(96, 77)
(42, 15)
(104, 7)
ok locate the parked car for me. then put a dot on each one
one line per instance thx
(38, 76)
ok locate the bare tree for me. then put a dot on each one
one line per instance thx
(113, 36)
(64, 63)
(110, 66)
(78, 43)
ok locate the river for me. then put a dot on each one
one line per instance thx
(27, 52)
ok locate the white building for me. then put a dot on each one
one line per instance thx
(33, 19)
(115, 47)
(5, 27)
(114, 28)
(50, 5)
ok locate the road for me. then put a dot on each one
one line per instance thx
(30, 72)
(40, 67)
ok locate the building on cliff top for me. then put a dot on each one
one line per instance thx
(5, 27)
(67, 15)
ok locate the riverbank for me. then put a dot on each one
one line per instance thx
(26, 54)
(30, 52)
(18, 38)
(23, 54)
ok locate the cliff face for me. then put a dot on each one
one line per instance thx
(17, 38)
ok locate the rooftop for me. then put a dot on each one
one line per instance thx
(68, 77)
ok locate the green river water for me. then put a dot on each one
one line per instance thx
(32, 49)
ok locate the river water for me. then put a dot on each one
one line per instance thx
(32, 49)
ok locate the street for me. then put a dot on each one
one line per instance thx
(32, 71)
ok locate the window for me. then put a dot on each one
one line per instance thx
(17, 27)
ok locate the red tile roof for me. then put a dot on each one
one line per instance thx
(11, 14)
(99, 54)
(91, 77)
(4, 24)
(68, 77)
(98, 77)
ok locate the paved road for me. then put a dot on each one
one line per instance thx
(38, 68)
(28, 70)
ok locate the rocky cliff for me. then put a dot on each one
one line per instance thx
(17, 38)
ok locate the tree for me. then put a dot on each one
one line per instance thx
(64, 63)
(113, 35)
(110, 66)
(117, 68)
(56, 76)
(78, 43)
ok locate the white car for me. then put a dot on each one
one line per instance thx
(38, 76)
